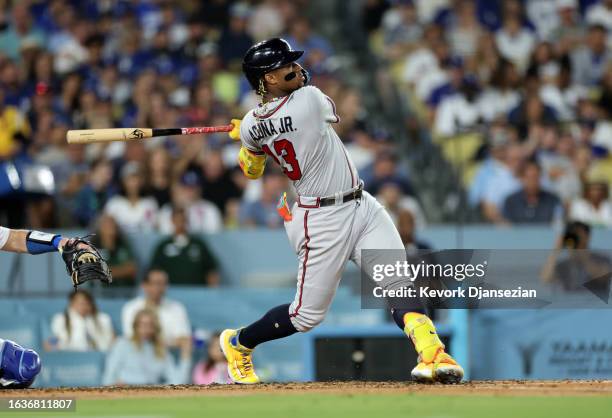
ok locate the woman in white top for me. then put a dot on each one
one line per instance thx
(132, 211)
(81, 327)
(594, 208)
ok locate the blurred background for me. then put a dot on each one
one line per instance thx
(478, 124)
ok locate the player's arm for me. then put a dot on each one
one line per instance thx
(251, 160)
(32, 242)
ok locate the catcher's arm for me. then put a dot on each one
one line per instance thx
(83, 260)
(32, 242)
(252, 163)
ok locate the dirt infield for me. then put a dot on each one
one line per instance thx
(491, 388)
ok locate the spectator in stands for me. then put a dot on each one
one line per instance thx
(501, 95)
(203, 217)
(407, 228)
(531, 110)
(81, 327)
(131, 209)
(262, 212)
(401, 29)
(316, 48)
(15, 131)
(185, 257)
(214, 368)
(514, 41)
(92, 197)
(385, 170)
(391, 197)
(605, 100)
(117, 251)
(457, 109)
(21, 28)
(560, 172)
(234, 40)
(159, 175)
(600, 13)
(143, 359)
(465, 30)
(579, 265)
(589, 61)
(218, 184)
(531, 204)
(570, 31)
(173, 319)
(594, 208)
(497, 176)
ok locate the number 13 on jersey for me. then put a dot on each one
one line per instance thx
(285, 151)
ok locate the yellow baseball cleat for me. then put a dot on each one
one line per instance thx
(434, 364)
(239, 361)
(443, 369)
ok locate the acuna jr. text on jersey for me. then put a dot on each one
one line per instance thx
(266, 128)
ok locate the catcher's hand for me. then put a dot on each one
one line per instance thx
(84, 262)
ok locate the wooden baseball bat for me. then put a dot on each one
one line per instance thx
(90, 136)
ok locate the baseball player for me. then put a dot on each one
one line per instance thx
(19, 366)
(333, 220)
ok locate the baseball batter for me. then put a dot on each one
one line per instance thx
(333, 220)
(19, 366)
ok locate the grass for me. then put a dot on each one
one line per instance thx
(311, 405)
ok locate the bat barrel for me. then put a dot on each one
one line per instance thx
(88, 136)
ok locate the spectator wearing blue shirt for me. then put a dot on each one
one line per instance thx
(143, 359)
(90, 200)
(20, 29)
(262, 212)
(317, 49)
(234, 40)
(386, 170)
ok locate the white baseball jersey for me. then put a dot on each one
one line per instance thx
(4, 236)
(296, 132)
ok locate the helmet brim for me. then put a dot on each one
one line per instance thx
(292, 56)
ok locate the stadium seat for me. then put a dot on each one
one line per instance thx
(64, 368)
(23, 329)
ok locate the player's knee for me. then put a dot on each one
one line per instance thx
(18, 366)
(304, 322)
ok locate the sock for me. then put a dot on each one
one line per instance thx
(273, 325)
(421, 331)
(398, 317)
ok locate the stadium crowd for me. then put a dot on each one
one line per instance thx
(528, 82)
(524, 86)
(99, 64)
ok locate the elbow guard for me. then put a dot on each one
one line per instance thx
(252, 164)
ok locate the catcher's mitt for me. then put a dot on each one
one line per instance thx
(84, 262)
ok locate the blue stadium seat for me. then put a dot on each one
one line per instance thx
(64, 368)
(23, 329)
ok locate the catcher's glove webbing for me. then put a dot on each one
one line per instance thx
(84, 262)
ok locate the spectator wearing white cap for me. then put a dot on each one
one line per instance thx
(601, 14)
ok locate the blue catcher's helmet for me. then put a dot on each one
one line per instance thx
(18, 366)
